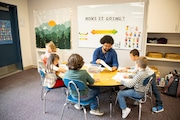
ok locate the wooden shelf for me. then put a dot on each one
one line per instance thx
(163, 59)
(165, 45)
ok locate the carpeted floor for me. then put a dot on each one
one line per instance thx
(20, 100)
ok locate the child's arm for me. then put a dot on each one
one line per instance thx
(59, 69)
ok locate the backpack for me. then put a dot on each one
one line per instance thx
(172, 88)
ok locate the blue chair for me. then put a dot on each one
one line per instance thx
(77, 86)
(148, 89)
(46, 90)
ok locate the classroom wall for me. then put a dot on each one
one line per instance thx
(123, 55)
(27, 34)
(23, 18)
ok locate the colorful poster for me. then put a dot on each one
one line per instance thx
(124, 22)
(5, 32)
(53, 25)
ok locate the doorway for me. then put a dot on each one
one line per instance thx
(10, 49)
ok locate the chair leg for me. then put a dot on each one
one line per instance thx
(110, 107)
(44, 102)
(116, 100)
(151, 104)
(98, 102)
(65, 91)
(84, 109)
(42, 89)
(62, 112)
(140, 107)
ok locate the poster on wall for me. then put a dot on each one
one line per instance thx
(5, 32)
(53, 25)
(124, 22)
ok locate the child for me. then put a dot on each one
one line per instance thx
(134, 55)
(52, 67)
(50, 48)
(137, 84)
(75, 63)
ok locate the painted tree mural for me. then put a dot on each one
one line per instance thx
(53, 25)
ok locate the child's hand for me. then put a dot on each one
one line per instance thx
(128, 68)
(96, 79)
(63, 70)
(123, 70)
(126, 76)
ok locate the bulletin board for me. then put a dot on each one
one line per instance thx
(124, 22)
(5, 32)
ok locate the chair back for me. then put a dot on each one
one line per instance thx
(148, 85)
(147, 88)
(74, 84)
(42, 73)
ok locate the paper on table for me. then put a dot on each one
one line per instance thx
(120, 77)
(105, 65)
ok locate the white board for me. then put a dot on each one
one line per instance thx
(124, 22)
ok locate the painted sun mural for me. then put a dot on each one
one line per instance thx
(53, 25)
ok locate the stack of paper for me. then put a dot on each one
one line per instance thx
(105, 65)
(120, 77)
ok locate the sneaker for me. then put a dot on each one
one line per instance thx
(157, 109)
(136, 103)
(125, 112)
(96, 112)
(78, 107)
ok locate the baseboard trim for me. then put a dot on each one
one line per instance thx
(6, 75)
(25, 68)
(29, 67)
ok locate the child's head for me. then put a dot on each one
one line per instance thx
(141, 62)
(53, 59)
(50, 47)
(134, 54)
(75, 62)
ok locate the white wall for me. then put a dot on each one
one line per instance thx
(23, 19)
(123, 55)
(27, 34)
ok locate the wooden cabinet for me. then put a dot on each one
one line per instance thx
(173, 46)
(163, 16)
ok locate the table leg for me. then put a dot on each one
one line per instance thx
(110, 109)
(110, 101)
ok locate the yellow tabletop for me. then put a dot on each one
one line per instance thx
(105, 78)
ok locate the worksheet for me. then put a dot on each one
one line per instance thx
(105, 65)
(120, 77)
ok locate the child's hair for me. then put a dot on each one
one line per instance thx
(142, 62)
(52, 46)
(107, 39)
(50, 61)
(75, 62)
(134, 52)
